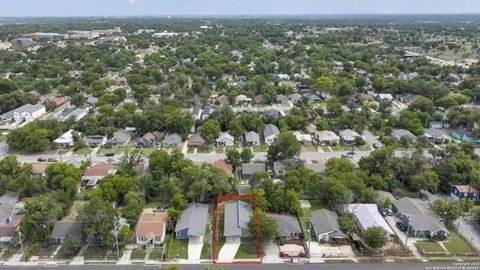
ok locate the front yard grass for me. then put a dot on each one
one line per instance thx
(138, 254)
(458, 245)
(156, 253)
(260, 148)
(204, 150)
(177, 248)
(190, 150)
(247, 250)
(83, 151)
(326, 148)
(364, 147)
(100, 253)
(206, 252)
(116, 151)
(429, 247)
(341, 147)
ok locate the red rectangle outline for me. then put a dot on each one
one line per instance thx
(218, 200)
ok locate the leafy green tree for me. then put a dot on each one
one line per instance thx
(134, 204)
(262, 202)
(63, 176)
(210, 131)
(98, 219)
(374, 237)
(427, 180)
(448, 211)
(347, 223)
(284, 147)
(246, 155)
(233, 157)
(268, 226)
(179, 201)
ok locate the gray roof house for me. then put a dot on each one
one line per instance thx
(252, 138)
(171, 140)
(397, 134)
(325, 225)
(326, 137)
(95, 140)
(192, 222)
(75, 113)
(348, 136)
(436, 136)
(288, 226)
(8, 210)
(248, 169)
(225, 139)
(120, 138)
(295, 98)
(420, 220)
(270, 132)
(237, 214)
(62, 229)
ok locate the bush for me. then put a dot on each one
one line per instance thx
(32, 249)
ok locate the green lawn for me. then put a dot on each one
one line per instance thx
(190, 150)
(458, 245)
(138, 254)
(341, 147)
(220, 238)
(176, 248)
(364, 147)
(100, 253)
(206, 253)
(156, 253)
(146, 151)
(325, 148)
(87, 193)
(429, 247)
(204, 150)
(219, 150)
(118, 150)
(247, 251)
(260, 148)
(83, 151)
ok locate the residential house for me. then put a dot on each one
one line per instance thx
(281, 167)
(324, 223)
(281, 99)
(57, 101)
(436, 136)
(459, 192)
(225, 166)
(63, 229)
(288, 227)
(349, 136)
(67, 140)
(439, 124)
(312, 97)
(242, 99)
(197, 113)
(38, 169)
(151, 228)
(398, 134)
(196, 140)
(311, 128)
(383, 97)
(96, 173)
(419, 219)
(120, 138)
(270, 132)
(76, 113)
(192, 222)
(25, 113)
(326, 137)
(91, 100)
(464, 136)
(248, 169)
(295, 98)
(302, 137)
(225, 139)
(147, 140)
(8, 232)
(207, 111)
(95, 140)
(252, 138)
(367, 216)
(9, 220)
(236, 217)
(172, 140)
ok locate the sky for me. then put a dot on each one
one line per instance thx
(17, 8)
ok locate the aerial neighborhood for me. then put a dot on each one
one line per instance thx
(349, 142)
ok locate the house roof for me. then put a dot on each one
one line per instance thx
(399, 133)
(100, 169)
(172, 138)
(466, 188)
(327, 135)
(39, 168)
(222, 164)
(63, 229)
(435, 133)
(196, 139)
(348, 134)
(66, 137)
(9, 198)
(420, 214)
(149, 136)
(193, 218)
(225, 136)
(29, 108)
(122, 136)
(324, 221)
(251, 168)
(270, 130)
(151, 224)
(251, 136)
(237, 214)
(368, 216)
(286, 224)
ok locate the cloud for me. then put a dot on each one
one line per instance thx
(133, 2)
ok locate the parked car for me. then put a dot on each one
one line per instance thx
(389, 212)
(375, 145)
(110, 154)
(41, 159)
(384, 213)
(162, 208)
(401, 226)
(52, 159)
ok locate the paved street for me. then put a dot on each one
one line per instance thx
(340, 266)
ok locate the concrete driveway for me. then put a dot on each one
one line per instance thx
(318, 250)
(229, 249)
(272, 252)
(195, 245)
(410, 243)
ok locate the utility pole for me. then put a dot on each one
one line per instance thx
(117, 221)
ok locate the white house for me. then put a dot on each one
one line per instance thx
(25, 113)
(67, 140)
(151, 228)
(225, 139)
(270, 132)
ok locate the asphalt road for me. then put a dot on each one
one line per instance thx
(340, 266)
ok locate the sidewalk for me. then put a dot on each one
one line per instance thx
(125, 259)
